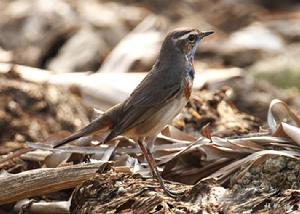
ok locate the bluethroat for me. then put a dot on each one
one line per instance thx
(155, 101)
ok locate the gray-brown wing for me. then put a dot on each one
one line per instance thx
(145, 100)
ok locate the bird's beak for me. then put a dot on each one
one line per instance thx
(204, 34)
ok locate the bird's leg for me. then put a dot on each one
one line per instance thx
(148, 156)
(154, 169)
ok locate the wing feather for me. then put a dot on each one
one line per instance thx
(150, 95)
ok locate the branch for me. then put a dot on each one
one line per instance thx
(42, 181)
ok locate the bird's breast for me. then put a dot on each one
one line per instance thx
(163, 116)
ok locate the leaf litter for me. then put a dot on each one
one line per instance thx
(231, 154)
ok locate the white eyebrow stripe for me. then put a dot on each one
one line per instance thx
(185, 36)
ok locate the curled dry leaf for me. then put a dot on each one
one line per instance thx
(283, 121)
(292, 132)
(174, 133)
(279, 112)
(57, 158)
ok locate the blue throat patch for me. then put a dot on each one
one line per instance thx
(191, 71)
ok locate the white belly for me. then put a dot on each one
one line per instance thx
(172, 109)
(163, 117)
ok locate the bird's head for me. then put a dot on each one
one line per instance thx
(183, 41)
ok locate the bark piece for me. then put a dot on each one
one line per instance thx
(42, 181)
(113, 191)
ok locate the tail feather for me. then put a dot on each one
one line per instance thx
(100, 125)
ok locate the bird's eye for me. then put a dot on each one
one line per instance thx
(192, 38)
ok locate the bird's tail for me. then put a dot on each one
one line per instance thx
(100, 125)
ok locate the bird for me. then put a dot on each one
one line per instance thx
(154, 103)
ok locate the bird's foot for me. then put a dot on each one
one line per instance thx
(171, 193)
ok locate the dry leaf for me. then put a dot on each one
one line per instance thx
(280, 112)
(57, 158)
